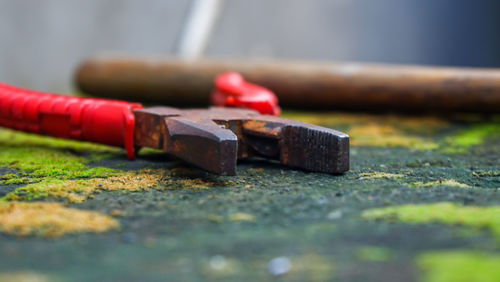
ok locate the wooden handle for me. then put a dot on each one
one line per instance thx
(315, 85)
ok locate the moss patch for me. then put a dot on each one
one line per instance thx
(380, 175)
(445, 213)
(40, 157)
(486, 173)
(14, 179)
(190, 179)
(445, 182)
(51, 220)
(377, 135)
(459, 266)
(195, 184)
(463, 140)
(240, 216)
(77, 191)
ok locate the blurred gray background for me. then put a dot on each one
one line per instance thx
(42, 41)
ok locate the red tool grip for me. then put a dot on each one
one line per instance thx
(231, 90)
(101, 121)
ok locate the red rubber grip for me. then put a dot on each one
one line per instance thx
(231, 90)
(101, 121)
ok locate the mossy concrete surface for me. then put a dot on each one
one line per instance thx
(420, 202)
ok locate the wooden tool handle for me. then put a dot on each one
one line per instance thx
(330, 86)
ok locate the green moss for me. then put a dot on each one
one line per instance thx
(445, 213)
(17, 181)
(384, 135)
(375, 254)
(14, 179)
(380, 175)
(445, 182)
(79, 190)
(241, 217)
(486, 173)
(11, 139)
(460, 265)
(477, 135)
(44, 161)
(34, 191)
(8, 176)
(48, 157)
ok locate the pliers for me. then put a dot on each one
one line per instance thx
(212, 139)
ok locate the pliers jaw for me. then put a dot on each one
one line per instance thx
(214, 139)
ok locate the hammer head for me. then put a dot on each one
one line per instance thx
(214, 139)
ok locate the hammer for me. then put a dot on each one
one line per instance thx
(312, 85)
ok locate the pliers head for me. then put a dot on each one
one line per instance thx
(214, 139)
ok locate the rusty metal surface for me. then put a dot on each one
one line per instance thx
(214, 139)
(319, 85)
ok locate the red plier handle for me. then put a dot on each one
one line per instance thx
(95, 120)
(231, 90)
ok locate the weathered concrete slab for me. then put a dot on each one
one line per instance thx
(180, 223)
